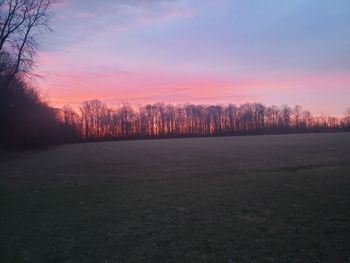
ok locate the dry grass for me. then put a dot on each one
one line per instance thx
(281, 198)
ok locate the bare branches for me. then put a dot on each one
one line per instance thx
(20, 23)
(98, 121)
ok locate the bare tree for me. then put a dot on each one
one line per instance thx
(98, 121)
(347, 117)
(297, 111)
(26, 119)
(20, 23)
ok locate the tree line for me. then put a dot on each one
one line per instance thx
(96, 120)
(27, 120)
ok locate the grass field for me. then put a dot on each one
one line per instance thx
(277, 198)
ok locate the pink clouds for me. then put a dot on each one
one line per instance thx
(67, 82)
(156, 84)
(212, 51)
(338, 79)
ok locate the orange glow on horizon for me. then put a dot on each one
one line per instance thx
(145, 87)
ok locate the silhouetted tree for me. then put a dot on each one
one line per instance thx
(21, 21)
(25, 118)
(98, 121)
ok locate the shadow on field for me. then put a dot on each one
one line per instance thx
(230, 203)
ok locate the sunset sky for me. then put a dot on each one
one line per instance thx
(199, 51)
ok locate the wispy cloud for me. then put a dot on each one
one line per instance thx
(80, 21)
(199, 51)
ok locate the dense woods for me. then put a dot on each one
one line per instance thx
(26, 120)
(99, 121)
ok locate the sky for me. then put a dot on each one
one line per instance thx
(199, 51)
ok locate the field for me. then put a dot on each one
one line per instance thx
(276, 198)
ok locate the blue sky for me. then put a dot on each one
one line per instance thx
(275, 52)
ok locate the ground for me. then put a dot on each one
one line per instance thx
(275, 198)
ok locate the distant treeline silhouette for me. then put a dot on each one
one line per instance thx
(26, 120)
(97, 121)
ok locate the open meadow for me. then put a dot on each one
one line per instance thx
(273, 198)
